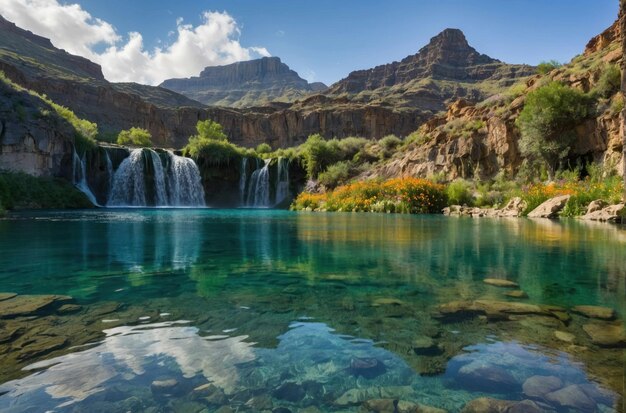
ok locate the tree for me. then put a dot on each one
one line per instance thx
(208, 129)
(263, 148)
(546, 67)
(548, 121)
(135, 137)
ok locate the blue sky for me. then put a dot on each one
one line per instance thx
(325, 40)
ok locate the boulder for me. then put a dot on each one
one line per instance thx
(491, 308)
(514, 208)
(28, 305)
(594, 311)
(487, 405)
(498, 282)
(516, 294)
(6, 296)
(606, 335)
(550, 208)
(537, 387)
(596, 205)
(425, 346)
(572, 397)
(564, 336)
(396, 406)
(481, 376)
(613, 213)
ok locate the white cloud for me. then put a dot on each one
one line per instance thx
(214, 42)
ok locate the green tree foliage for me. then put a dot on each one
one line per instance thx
(210, 136)
(546, 67)
(609, 81)
(263, 148)
(319, 153)
(135, 137)
(547, 123)
(208, 129)
(459, 192)
(336, 174)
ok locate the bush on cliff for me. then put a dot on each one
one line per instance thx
(135, 137)
(212, 144)
(548, 121)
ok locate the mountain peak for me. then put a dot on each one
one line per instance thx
(449, 37)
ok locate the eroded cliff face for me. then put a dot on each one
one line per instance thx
(480, 141)
(32, 138)
(244, 84)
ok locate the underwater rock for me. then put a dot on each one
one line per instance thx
(41, 345)
(498, 282)
(516, 294)
(538, 386)
(68, 309)
(27, 305)
(572, 397)
(606, 335)
(164, 387)
(594, 311)
(491, 308)
(564, 336)
(598, 394)
(290, 391)
(396, 406)
(386, 301)
(6, 296)
(281, 410)
(425, 346)
(261, 402)
(367, 367)
(486, 377)
(486, 405)
(356, 396)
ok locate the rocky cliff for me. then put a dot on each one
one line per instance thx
(480, 141)
(244, 84)
(447, 68)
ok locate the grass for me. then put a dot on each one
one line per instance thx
(19, 190)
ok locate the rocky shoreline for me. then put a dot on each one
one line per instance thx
(596, 211)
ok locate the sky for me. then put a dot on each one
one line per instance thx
(148, 41)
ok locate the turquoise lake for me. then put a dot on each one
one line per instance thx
(201, 310)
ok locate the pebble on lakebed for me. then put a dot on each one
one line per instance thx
(498, 282)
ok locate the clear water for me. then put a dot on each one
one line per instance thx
(282, 309)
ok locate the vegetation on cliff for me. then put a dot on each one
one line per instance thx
(135, 137)
(22, 191)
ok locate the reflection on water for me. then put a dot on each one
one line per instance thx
(308, 309)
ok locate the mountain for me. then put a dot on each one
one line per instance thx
(245, 84)
(447, 68)
(478, 141)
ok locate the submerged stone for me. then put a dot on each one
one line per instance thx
(6, 296)
(498, 282)
(290, 391)
(41, 345)
(516, 294)
(28, 305)
(538, 386)
(594, 311)
(564, 336)
(486, 377)
(367, 367)
(606, 335)
(396, 406)
(491, 308)
(572, 397)
(425, 346)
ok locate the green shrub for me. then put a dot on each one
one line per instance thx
(318, 154)
(211, 143)
(135, 137)
(418, 138)
(547, 123)
(546, 67)
(459, 193)
(208, 129)
(263, 148)
(609, 82)
(617, 104)
(336, 174)
(19, 191)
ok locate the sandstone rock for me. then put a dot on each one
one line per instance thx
(596, 205)
(259, 403)
(68, 309)
(598, 394)
(487, 405)
(572, 397)
(387, 301)
(564, 336)
(290, 391)
(396, 406)
(28, 305)
(6, 296)
(613, 213)
(550, 208)
(525, 406)
(538, 386)
(514, 208)
(481, 376)
(367, 367)
(516, 294)
(41, 345)
(359, 395)
(606, 335)
(425, 346)
(490, 308)
(498, 282)
(593, 311)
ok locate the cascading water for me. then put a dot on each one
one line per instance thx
(176, 184)
(109, 170)
(259, 190)
(242, 180)
(184, 182)
(282, 181)
(129, 182)
(79, 176)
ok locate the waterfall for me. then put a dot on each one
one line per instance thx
(282, 180)
(178, 183)
(128, 182)
(184, 182)
(159, 179)
(242, 180)
(259, 190)
(79, 177)
(109, 171)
